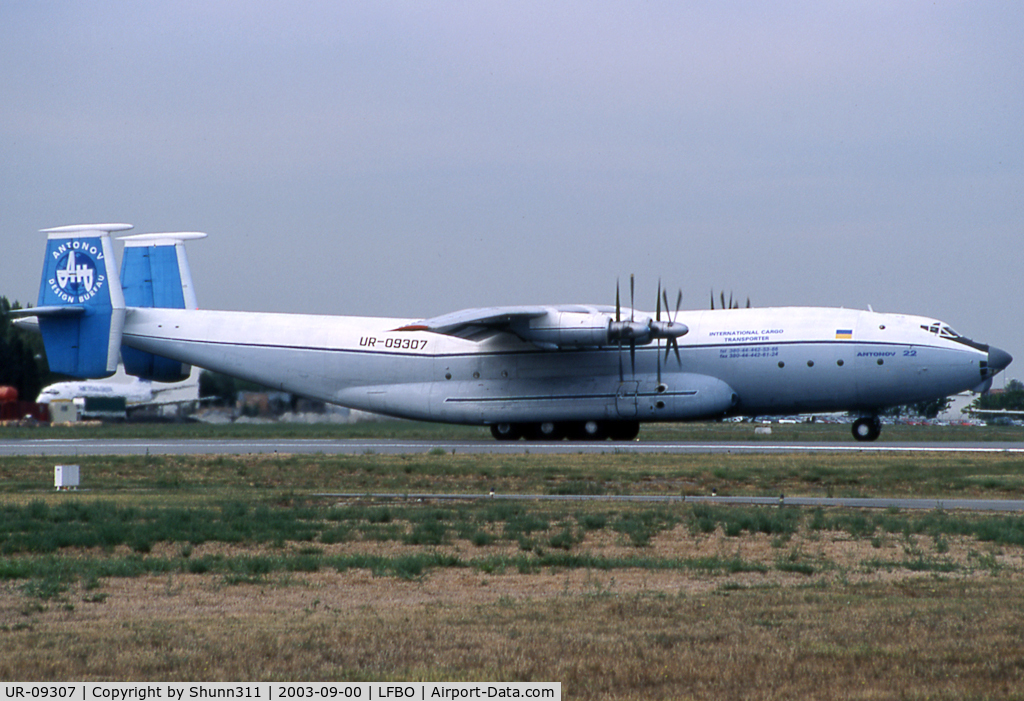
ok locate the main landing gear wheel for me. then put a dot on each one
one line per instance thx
(867, 428)
(624, 430)
(588, 431)
(575, 431)
(506, 432)
(544, 431)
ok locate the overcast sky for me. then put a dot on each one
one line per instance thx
(414, 158)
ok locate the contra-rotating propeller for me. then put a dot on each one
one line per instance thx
(643, 332)
(727, 305)
(626, 330)
(670, 329)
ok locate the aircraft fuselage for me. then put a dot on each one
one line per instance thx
(738, 361)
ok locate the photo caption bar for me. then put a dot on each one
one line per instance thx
(277, 691)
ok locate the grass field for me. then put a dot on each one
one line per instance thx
(234, 568)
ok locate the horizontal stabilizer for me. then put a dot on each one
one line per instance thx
(59, 310)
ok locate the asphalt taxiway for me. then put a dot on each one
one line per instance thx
(116, 446)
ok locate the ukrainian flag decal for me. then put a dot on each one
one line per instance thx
(844, 333)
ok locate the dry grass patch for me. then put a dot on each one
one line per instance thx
(623, 634)
(858, 629)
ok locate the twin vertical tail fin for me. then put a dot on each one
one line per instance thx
(83, 302)
(81, 307)
(155, 274)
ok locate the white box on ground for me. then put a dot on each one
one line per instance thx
(65, 476)
(63, 411)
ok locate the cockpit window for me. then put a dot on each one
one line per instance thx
(941, 330)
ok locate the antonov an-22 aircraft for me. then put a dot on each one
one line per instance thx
(539, 372)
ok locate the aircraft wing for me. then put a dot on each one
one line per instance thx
(549, 327)
(477, 324)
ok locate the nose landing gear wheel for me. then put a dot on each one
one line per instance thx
(866, 428)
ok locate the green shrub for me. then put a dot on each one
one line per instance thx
(592, 522)
(565, 539)
(481, 538)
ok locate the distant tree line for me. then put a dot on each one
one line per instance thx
(22, 357)
(927, 410)
(1011, 398)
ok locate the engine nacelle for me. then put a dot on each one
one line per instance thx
(575, 329)
(558, 329)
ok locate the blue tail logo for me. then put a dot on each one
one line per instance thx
(78, 278)
(81, 307)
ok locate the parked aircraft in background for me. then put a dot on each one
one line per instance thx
(135, 391)
(542, 372)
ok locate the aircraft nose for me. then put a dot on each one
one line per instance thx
(998, 359)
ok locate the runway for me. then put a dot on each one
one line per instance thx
(88, 446)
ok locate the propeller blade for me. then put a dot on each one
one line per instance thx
(657, 313)
(632, 342)
(658, 356)
(631, 302)
(723, 300)
(657, 317)
(618, 318)
(675, 340)
(618, 306)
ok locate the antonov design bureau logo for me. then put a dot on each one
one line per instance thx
(78, 278)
